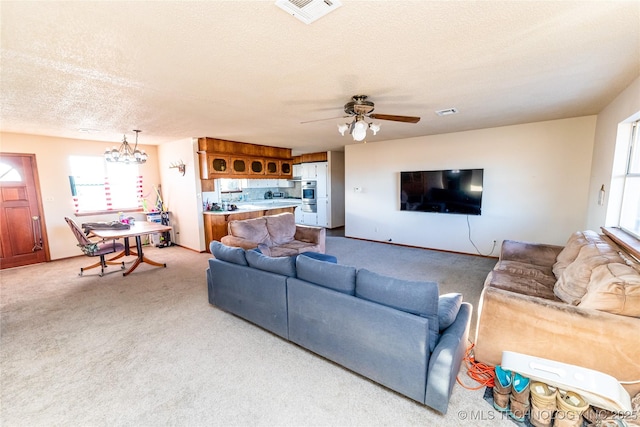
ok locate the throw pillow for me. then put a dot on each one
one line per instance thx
(341, 278)
(448, 307)
(285, 266)
(614, 288)
(227, 253)
(420, 298)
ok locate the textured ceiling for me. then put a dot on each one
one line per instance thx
(248, 71)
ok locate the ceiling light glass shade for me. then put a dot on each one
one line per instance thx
(126, 154)
(375, 127)
(359, 131)
(342, 128)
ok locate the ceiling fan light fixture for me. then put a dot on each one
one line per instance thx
(342, 128)
(375, 128)
(359, 132)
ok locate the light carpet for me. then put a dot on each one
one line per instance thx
(149, 350)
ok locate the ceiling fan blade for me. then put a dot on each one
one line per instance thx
(405, 119)
(321, 120)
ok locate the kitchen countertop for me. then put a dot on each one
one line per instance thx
(259, 205)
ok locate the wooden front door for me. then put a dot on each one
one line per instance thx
(22, 233)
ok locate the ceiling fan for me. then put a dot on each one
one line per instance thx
(359, 109)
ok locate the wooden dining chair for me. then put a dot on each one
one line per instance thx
(95, 248)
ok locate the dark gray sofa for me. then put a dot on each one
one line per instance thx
(386, 329)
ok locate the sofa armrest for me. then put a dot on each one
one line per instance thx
(446, 359)
(239, 242)
(310, 234)
(557, 331)
(530, 253)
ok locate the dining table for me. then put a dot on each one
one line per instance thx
(136, 230)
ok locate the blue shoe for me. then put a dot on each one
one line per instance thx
(519, 400)
(502, 389)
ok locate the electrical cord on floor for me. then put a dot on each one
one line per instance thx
(474, 245)
(480, 372)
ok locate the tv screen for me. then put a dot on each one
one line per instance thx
(455, 191)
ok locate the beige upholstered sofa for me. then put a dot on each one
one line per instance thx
(577, 304)
(275, 235)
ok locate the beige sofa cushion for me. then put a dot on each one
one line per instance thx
(614, 288)
(281, 227)
(524, 269)
(571, 250)
(535, 286)
(254, 230)
(572, 283)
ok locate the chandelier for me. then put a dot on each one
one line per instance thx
(358, 128)
(126, 154)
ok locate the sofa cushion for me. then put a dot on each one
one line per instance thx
(541, 287)
(254, 229)
(614, 288)
(281, 227)
(448, 307)
(524, 269)
(420, 298)
(572, 283)
(227, 253)
(341, 278)
(285, 266)
(572, 248)
(280, 251)
(298, 246)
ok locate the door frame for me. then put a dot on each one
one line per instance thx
(36, 183)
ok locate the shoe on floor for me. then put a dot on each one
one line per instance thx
(519, 398)
(502, 389)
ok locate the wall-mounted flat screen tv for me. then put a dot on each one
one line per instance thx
(454, 191)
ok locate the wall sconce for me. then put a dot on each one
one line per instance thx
(178, 165)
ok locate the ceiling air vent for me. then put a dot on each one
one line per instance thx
(447, 111)
(308, 10)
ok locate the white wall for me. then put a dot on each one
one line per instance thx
(52, 160)
(536, 183)
(613, 129)
(182, 194)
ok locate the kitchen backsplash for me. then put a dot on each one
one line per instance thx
(251, 194)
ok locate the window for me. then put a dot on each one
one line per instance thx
(630, 212)
(98, 186)
(8, 173)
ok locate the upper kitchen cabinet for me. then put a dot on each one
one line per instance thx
(214, 166)
(220, 158)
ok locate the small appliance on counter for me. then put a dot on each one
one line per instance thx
(278, 195)
(268, 195)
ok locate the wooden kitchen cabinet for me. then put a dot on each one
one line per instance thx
(286, 169)
(239, 166)
(229, 159)
(272, 167)
(256, 166)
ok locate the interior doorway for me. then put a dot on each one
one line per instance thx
(23, 237)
